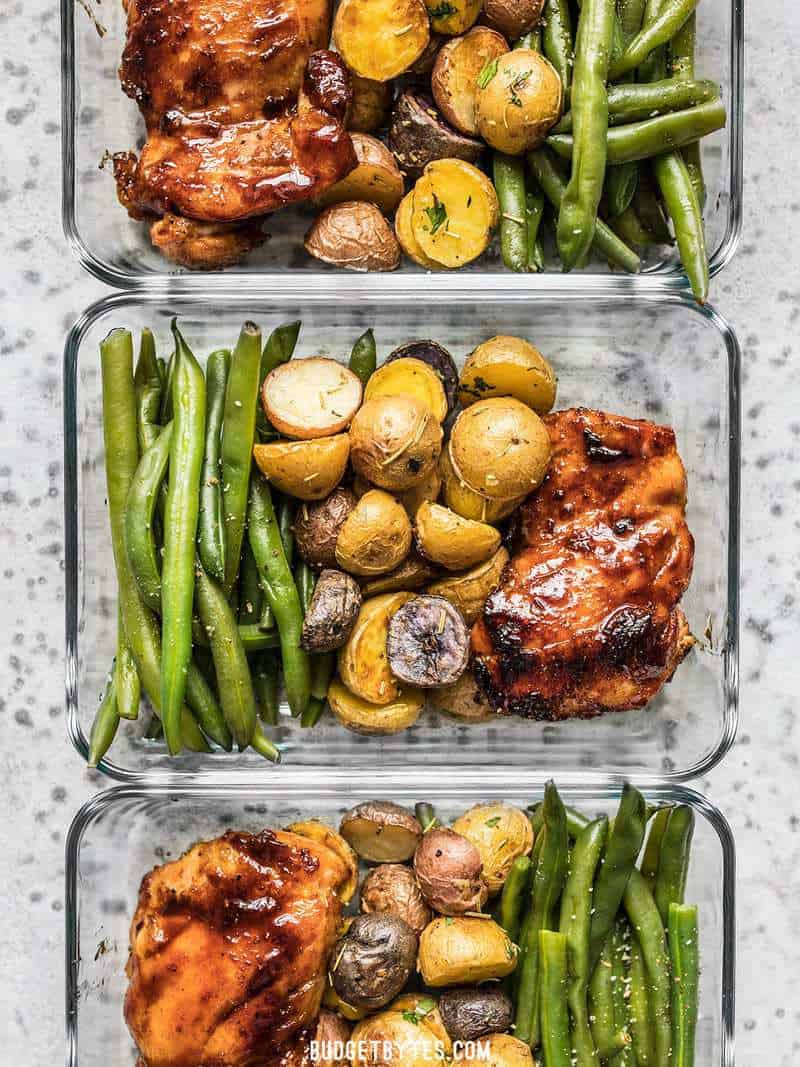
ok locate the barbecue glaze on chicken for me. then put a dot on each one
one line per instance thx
(229, 949)
(244, 111)
(586, 619)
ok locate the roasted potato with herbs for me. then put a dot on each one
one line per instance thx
(376, 178)
(382, 38)
(463, 700)
(310, 398)
(418, 134)
(463, 951)
(508, 366)
(404, 230)
(500, 448)
(409, 377)
(417, 495)
(500, 833)
(452, 541)
(504, 1051)
(395, 442)
(381, 831)
(362, 717)
(353, 235)
(392, 888)
(396, 1037)
(428, 643)
(373, 961)
(438, 359)
(425, 1010)
(512, 18)
(327, 836)
(464, 501)
(455, 210)
(449, 872)
(332, 1000)
(518, 99)
(469, 591)
(364, 662)
(452, 17)
(307, 470)
(331, 615)
(457, 75)
(413, 573)
(375, 537)
(316, 526)
(370, 105)
(469, 1014)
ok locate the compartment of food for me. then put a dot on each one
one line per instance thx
(402, 924)
(496, 582)
(385, 137)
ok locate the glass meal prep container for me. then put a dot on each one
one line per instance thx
(659, 357)
(117, 837)
(98, 118)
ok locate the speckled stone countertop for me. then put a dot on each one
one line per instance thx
(42, 782)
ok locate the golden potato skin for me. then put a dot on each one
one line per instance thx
(405, 234)
(407, 1042)
(463, 700)
(376, 178)
(515, 108)
(413, 573)
(455, 17)
(504, 1051)
(375, 537)
(508, 366)
(418, 494)
(353, 235)
(376, 720)
(464, 501)
(307, 470)
(363, 660)
(382, 38)
(395, 442)
(409, 376)
(454, 78)
(512, 18)
(500, 448)
(463, 951)
(468, 592)
(453, 542)
(455, 211)
(370, 105)
(500, 833)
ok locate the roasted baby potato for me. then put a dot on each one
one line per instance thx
(504, 1051)
(382, 38)
(307, 470)
(455, 210)
(318, 831)
(464, 501)
(500, 448)
(370, 105)
(418, 135)
(428, 490)
(405, 234)
(508, 366)
(375, 537)
(308, 398)
(362, 717)
(438, 359)
(317, 525)
(463, 700)
(331, 1000)
(469, 1014)
(517, 102)
(452, 541)
(373, 961)
(409, 377)
(453, 17)
(392, 888)
(399, 1037)
(512, 18)
(459, 71)
(449, 872)
(363, 662)
(428, 643)
(332, 612)
(381, 831)
(413, 573)
(376, 178)
(395, 442)
(426, 1013)
(332, 1033)
(464, 951)
(468, 592)
(353, 235)
(500, 833)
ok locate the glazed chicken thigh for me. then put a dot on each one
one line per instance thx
(586, 619)
(229, 949)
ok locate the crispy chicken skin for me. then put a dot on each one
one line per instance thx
(229, 947)
(585, 619)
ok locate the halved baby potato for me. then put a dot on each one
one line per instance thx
(408, 376)
(517, 105)
(307, 470)
(370, 105)
(353, 235)
(364, 661)
(405, 234)
(508, 366)
(418, 494)
(381, 831)
(452, 541)
(455, 210)
(453, 16)
(464, 501)
(458, 72)
(500, 448)
(376, 178)
(468, 592)
(308, 398)
(363, 717)
(512, 18)
(336, 842)
(380, 39)
(375, 537)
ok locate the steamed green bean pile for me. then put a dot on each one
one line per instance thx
(621, 170)
(608, 969)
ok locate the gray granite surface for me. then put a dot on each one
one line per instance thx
(42, 782)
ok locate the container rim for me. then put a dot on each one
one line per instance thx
(583, 787)
(285, 773)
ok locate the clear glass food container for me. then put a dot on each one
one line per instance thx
(98, 119)
(117, 837)
(659, 357)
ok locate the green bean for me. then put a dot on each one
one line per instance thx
(672, 14)
(532, 40)
(180, 531)
(557, 42)
(154, 731)
(684, 953)
(652, 848)
(629, 227)
(683, 208)
(281, 592)
(285, 521)
(312, 714)
(322, 667)
(306, 581)
(251, 596)
(278, 348)
(621, 852)
(620, 955)
(608, 1040)
(256, 639)
(534, 212)
(554, 1013)
(654, 66)
(149, 387)
(206, 708)
(631, 16)
(426, 816)
(620, 187)
(264, 747)
(140, 509)
(266, 685)
(238, 438)
(509, 183)
(648, 208)
(646, 923)
(104, 725)
(578, 213)
(364, 357)
(681, 63)
(165, 415)
(548, 881)
(575, 923)
(121, 452)
(128, 689)
(673, 862)
(635, 102)
(211, 520)
(576, 821)
(605, 241)
(643, 1039)
(509, 910)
